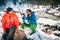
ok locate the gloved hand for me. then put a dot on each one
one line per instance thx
(26, 21)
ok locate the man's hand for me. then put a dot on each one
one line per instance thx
(26, 21)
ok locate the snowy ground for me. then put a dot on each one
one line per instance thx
(42, 17)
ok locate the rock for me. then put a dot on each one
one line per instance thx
(20, 35)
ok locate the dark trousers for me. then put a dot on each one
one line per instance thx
(9, 33)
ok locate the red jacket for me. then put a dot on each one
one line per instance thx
(9, 20)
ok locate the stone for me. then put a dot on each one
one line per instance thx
(20, 35)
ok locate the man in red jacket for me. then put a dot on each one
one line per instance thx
(9, 21)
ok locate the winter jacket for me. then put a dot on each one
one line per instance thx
(31, 19)
(9, 20)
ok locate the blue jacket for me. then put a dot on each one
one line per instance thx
(31, 19)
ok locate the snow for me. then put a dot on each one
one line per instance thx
(51, 10)
(54, 37)
(27, 31)
(46, 21)
(56, 32)
(57, 13)
(19, 17)
(45, 36)
(1, 33)
(40, 9)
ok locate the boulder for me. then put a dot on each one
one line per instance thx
(20, 35)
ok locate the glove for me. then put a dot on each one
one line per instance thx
(26, 21)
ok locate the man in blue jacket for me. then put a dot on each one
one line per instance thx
(29, 20)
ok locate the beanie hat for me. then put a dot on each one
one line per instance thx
(9, 9)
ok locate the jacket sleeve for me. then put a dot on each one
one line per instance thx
(3, 24)
(24, 18)
(16, 22)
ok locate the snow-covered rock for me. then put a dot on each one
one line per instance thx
(46, 21)
(57, 13)
(53, 10)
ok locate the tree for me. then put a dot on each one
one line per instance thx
(2, 2)
(53, 3)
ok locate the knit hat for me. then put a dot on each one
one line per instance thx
(9, 9)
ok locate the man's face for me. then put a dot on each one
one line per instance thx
(11, 12)
(28, 13)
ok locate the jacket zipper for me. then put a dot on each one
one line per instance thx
(10, 20)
